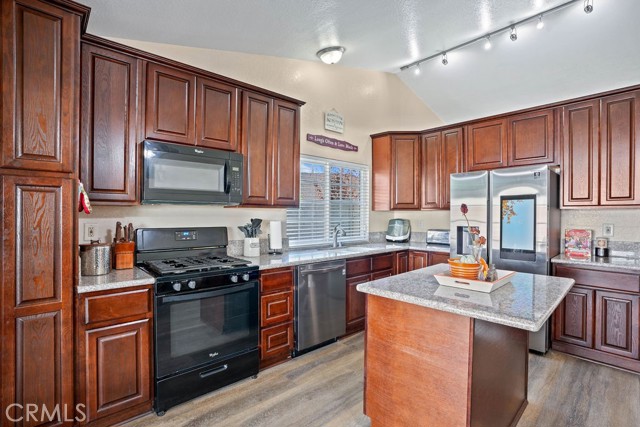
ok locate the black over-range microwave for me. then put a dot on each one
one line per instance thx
(190, 175)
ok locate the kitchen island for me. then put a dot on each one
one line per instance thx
(436, 355)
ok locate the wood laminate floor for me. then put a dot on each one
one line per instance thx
(324, 388)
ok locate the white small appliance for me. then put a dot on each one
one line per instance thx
(398, 230)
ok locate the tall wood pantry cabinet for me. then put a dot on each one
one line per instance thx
(38, 173)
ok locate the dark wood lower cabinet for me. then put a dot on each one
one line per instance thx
(356, 303)
(276, 316)
(402, 262)
(438, 258)
(600, 317)
(114, 369)
(418, 259)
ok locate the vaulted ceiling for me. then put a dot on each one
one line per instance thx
(574, 54)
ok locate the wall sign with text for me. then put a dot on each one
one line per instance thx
(333, 121)
(331, 142)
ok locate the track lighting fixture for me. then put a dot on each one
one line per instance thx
(487, 44)
(588, 6)
(511, 28)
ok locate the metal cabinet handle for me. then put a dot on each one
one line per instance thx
(213, 371)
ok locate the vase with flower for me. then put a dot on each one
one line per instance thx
(477, 242)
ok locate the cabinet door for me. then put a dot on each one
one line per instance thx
(405, 164)
(276, 344)
(37, 289)
(438, 258)
(417, 260)
(216, 115)
(39, 86)
(573, 319)
(109, 117)
(531, 138)
(486, 145)
(356, 304)
(620, 149)
(170, 104)
(452, 161)
(431, 171)
(118, 368)
(617, 323)
(402, 262)
(257, 148)
(580, 153)
(276, 308)
(286, 154)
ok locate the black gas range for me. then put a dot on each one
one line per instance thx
(206, 312)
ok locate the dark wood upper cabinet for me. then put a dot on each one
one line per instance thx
(216, 114)
(486, 144)
(620, 149)
(531, 138)
(39, 86)
(257, 148)
(431, 171)
(405, 171)
(286, 154)
(580, 154)
(37, 289)
(170, 104)
(618, 323)
(109, 116)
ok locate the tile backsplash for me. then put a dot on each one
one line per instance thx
(626, 222)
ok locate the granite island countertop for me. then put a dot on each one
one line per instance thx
(618, 264)
(114, 280)
(525, 303)
(305, 256)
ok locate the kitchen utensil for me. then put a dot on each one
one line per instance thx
(130, 228)
(118, 235)
(95, 258)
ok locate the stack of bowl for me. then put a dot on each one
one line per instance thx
(464, 271)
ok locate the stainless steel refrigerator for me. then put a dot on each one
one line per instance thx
(517, 210)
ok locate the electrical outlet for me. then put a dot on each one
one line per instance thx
(607, 230)
(90, 231)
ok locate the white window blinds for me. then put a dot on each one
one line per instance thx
(331, 193)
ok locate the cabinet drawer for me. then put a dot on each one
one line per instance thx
(382, 262)
(277, 340)
(276, 308)
(381, 274)
(115, 306)
(276, 280)
(359, 266)
(601, 279)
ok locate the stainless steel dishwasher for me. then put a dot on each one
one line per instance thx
(320, 310)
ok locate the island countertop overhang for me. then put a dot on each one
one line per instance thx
(525, 303)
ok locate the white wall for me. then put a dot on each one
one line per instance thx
(626, 222)
(370, 102)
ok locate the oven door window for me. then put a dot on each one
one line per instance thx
(200, 327)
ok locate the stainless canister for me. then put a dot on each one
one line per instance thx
(95, 258)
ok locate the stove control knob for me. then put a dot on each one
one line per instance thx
(177, 286)
(245, 277)
(192, 284)
(234, 278)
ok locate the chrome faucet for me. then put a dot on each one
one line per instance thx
(338, 231)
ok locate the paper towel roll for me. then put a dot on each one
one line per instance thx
(275, 235)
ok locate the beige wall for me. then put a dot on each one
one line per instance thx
(369, 101)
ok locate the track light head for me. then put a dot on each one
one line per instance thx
(514, 34)
(416, 71)
(487, 43)
(540, 24)
(588, 6)
(445, 61)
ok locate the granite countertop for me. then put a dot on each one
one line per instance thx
(305, 256)
(621, 264)
(114, 280)
(525, 303)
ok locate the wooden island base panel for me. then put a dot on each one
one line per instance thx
(433, 368)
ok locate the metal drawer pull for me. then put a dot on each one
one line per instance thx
(213, 371)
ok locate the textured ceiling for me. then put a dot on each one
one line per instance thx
(574, 54)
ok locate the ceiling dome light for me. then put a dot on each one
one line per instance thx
(588, 6)
(514, 34)
(445, 61)
(331, 55)
(487, 44)
(540, 24)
